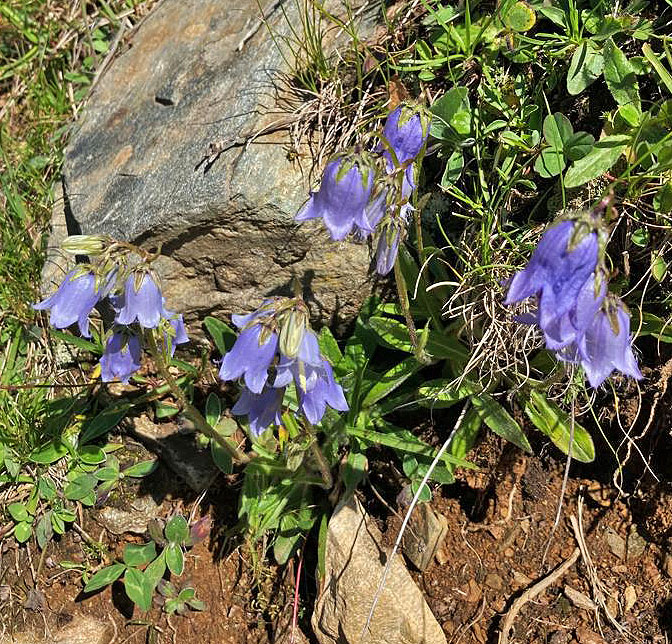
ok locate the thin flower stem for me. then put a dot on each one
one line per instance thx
(322, 465)
(420, 354)
(191, 411)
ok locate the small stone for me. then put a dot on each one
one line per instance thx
(559, 637)
(520, 579)
(448, 627)
(84, 630)
(579, 599)
(615, 542)
(425, 536)
(630, 598)
(494, 581)
(5, 593)
(509, 552)
(136, 519)
(636, 544)
(473, 592)
(586, 636)
(612, 606)
(442, 556)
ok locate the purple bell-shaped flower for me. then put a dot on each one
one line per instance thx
(556, 272)
(73, 301)
(121, 358)
(262, 409)
(345, 200)
(141, 301)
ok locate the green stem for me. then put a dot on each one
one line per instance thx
(202, 425)
(420, 354)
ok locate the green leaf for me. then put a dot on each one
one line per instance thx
(176, 529)
(449, 111)
(104, 422)
(329, 347)
(439, 345)
(18, 511)
(445, 393)
(453, 170)
(585, 67)
(598, 161)
(49, 453)
(196, 604)
(658, 266)
(136, 555)
(91, 454)
(221, 457)
(46, 488)
(155, 571)
(322, 547)
(107, 474)
(142, 468)
(174, 558)
(138, 588)
(550, 163)
(44, 530)
(466, 435)
(500, 421)
(652, 325)
(285, 546)
(354, 470)
(390, 380)
(166, 409)
(104, 577)
(549, 419)
(557, 130)
(80, 487)
(578, 145)
(186, 594)
(213, 409)
(620, 76)
(22, 531)
(75, 340)
(520, 17)
(425, 495)
(222, 334)
(660, 69)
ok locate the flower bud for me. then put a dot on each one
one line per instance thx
(84, 244)
(292, 331)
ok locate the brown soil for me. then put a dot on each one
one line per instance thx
(499, 522)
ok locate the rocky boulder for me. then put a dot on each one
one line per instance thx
(165, 155)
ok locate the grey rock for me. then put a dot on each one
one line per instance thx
(136, 519)
(424, 536)
(354, 563)
(178, 450)
(615, 542)
(133, 168)
(82, 629)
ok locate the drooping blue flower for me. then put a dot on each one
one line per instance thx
(121, 358)
(388, 247)
(346, 200)
(144, 303)
(606, 345)
(570, 327)
(326, 391)
(73, 301)
(406, 130)
(179, 334)
(556, 272)
(250, 357)
(262, 409)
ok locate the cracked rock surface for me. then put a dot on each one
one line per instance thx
(133, 168)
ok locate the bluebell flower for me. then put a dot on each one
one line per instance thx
(345, 200)
(387, 249)
(606, 345)
(570, 327)
(141, 300)
(121, 358)
(326, 391)
(406, 131)
(250, 357)
(73, 301)
(262, 409)
(556, 272)
(179, 332)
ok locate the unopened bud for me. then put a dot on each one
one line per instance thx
(84, 244)
(291, 333)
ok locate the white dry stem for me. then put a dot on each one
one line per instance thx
(407, 518)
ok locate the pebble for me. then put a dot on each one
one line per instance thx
(579, 599)
(636, 544)
(494, 581)
(615, 542)
(586, 636)
(473, 592)
(630, 598)
(667, 564)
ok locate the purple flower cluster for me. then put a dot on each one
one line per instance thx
(137, 300)
(276, 348)
(361, 191)
(581, 322)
